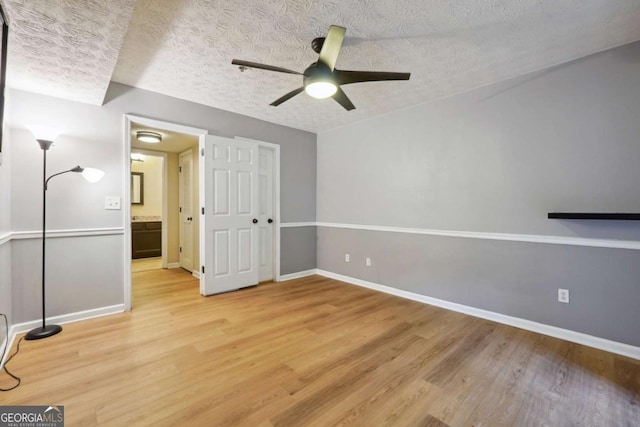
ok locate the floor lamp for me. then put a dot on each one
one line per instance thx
(91, 175)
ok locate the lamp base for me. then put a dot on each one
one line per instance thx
(40, 332)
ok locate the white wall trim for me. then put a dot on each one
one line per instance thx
(37, 234)
(70, 318)
(173, 265)
(529, 238)
(297, 224)
(196, 274)
(161, 124)
(553, 331)
(297, 275)
(10, 338)
(5, 238)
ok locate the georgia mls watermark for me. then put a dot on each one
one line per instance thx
(31, 416)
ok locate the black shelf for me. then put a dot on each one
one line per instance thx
(592, 215)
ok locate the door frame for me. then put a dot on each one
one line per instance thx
(126, 211)
(195, 269)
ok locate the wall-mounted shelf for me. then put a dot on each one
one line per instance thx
(592, 215)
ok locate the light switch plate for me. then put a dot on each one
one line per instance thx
(112, 203)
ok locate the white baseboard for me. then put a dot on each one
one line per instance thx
(19, 328)
(9, 342)
(173, 265)
(298, 275)
(196, 274)
(553, 331)
(71, 317)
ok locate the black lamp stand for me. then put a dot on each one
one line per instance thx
(45, 330)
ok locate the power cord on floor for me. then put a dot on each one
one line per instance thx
(4, 351)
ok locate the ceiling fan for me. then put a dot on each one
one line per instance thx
(321, 79)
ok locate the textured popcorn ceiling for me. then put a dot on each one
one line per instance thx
(184, 48)
(65, 48)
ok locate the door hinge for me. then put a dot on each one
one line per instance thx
(180, 209)
(180, 249)
(203, 269)
(202, 152)
(202, 211)
(180, 169)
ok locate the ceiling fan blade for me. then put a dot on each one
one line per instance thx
(263, 66)
(346, 77)
(331, 46)
(343, 100)
(287, 96)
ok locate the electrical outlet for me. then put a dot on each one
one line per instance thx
(563, 295)
(112, 203)
(347, 258)
(367, 261)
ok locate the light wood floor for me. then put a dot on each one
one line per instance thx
(146, 264)
(315, 351)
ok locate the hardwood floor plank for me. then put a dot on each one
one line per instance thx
(314, 352)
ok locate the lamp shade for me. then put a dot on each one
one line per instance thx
(92, 175)
(45, 132)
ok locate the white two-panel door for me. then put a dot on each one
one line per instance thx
(266, 222)
(185, 200)
(231, 220)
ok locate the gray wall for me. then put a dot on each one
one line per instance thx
(497, 159)
(300, 245)
(82, 274)
(5, 227)
(93, 136)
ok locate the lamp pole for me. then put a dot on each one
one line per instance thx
(44, 331)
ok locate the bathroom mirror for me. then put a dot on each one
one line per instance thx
(137, 188)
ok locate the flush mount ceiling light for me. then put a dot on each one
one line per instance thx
(148, 136)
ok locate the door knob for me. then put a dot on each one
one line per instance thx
(255, 221)
(269, 220)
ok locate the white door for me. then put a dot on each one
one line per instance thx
(185, 200)
(230, 216)
(266, 223)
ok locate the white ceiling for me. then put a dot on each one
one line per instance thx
(184, 48)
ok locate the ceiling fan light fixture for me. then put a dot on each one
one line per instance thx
(148, 136)
(320, 89)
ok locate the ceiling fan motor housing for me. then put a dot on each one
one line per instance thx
(318, 72)
(317, 43)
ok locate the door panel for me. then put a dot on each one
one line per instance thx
(231, 199)
(221, 192)
(222, 249)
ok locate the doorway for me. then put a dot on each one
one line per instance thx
(268, 256)
(174, 140)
